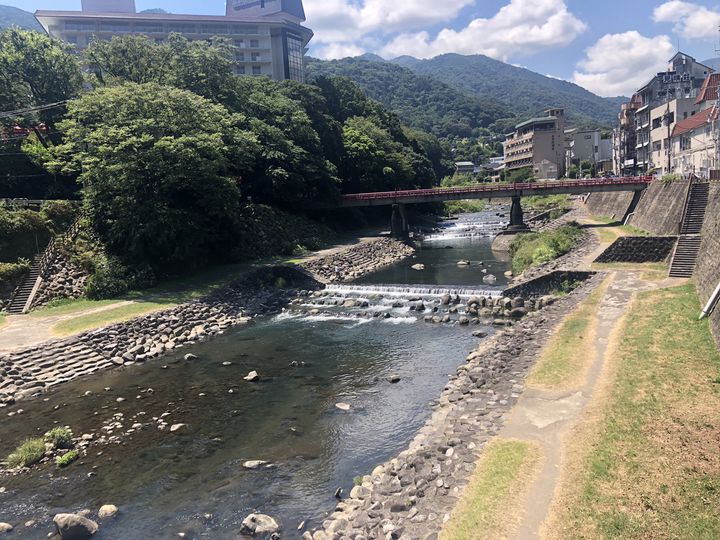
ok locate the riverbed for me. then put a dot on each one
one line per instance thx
(193, 480)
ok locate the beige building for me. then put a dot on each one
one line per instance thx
(695, 144)
(269, 35)
(538, 143)
(663, 120)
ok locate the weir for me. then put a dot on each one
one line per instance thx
(412, 291)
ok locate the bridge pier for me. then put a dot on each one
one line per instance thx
(399, 222)
(517, 220)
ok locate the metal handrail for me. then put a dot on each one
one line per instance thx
(526, 186)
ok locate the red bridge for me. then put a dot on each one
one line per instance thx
(398, 199)
(497, 191)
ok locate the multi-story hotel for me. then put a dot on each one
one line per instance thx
(538, 143)
(269, 34)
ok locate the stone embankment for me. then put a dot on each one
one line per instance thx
(38, 368)
(62, 279)
(412, 495)
(638, 249)
(358, 260)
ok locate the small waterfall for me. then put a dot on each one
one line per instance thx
(470, 227)
(411, 291)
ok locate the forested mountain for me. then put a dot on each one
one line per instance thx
(12, 16)
(422, 102)
(527, 92)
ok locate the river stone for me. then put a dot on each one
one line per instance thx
(258, 524)
(177, 427)
(489, 279)
(463, 263)
(107, 511)
(74, 527)
(252, 376)
(254, 463)
(5, 527)
(394, 378)
(343, 406)
(418, 267)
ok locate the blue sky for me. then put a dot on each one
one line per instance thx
(608, 46)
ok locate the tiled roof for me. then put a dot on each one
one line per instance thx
(709, 90)
(694, 121)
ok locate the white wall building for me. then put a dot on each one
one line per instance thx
(268, 33)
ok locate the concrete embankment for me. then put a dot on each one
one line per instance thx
(707, 273)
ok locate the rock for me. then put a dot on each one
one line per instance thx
(464, 321)
(177, 427)
(463, 263)
(190, 357)
(489, 279)
(418, 267)
(509, 274)
(252, 376)
(394, 378)
(107, 511)
(259, 524)
(342, 406)
(254, 464)
(74, 526)
(445, 299)
(5, 528)
(479, 334)
(338, 493)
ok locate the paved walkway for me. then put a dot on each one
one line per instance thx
(21, 331)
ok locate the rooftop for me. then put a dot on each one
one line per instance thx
(536, 121)
(695, 121)
(709, 90)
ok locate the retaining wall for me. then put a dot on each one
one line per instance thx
(707, 273)
(547, 284)
(638, 249)
(661, 208)
(614, 205)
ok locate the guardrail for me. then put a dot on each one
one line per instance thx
(525, 186)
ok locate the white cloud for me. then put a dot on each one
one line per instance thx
(618, 64)
(690, 20)
(519, 28)
(334, 51)
(339, 23)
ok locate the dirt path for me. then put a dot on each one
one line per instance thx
(20, 331)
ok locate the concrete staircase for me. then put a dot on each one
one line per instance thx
(25, 289)
(688, 245)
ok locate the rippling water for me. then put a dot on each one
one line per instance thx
(193, 481)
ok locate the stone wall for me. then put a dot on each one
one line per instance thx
(707, 273)
(547, 284)
(638, 249)
(614, 205)
(661, 208)
(63, 279)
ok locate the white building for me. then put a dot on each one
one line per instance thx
(268, 33)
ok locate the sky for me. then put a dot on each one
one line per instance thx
(610, 47)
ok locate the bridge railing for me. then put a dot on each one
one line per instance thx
(491, 188)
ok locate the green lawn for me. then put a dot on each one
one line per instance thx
(108, 316)
(2, 318)
(571, 349)
(650, 466)
(488, 507)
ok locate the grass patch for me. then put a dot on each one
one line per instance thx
(544, 202)
(648, 271)
(60, 437)
(531, 249)
(609, 234)
(3, 318)
(464, 207)
(648, 465)
(493, 495)
(66, 306)
(66, 459)
(108, 316)
(28, 453)
(565, 358)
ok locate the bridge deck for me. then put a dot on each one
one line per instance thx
(496, 191)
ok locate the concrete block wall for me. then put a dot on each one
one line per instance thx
(661, 208)
(613, 205)
(707, 273)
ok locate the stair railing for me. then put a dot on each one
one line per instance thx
(687, 203)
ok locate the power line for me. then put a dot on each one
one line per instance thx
(8, 114)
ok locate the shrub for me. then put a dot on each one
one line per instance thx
(11, 272)
(110, 278)
(670, 178)
(59, 215)
(536, 248)
(60, 437)
(28, 453)
(67, 459)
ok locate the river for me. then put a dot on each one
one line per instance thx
(311, 357)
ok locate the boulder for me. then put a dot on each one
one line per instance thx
(463, 264)
(177, 427)
(393, 378)
(5, 527)
(254, 464)
(74, 527)
(252, 376)
(418, 267)
(489, 279)
(343, 406)
(259, 524)
(107, 511)
(445, 299)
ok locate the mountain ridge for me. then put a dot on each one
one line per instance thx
(12, 16)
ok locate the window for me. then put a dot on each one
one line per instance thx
(256, 70)
(149, 28)
(80, 26)
(295, 57)
(254, 43)
(214, 29)
(114, 26)
(240, 43)
(684, 115)
(255, 57)
(240, 57)
(182, 28)
(241, 70)
(657, 146)
(657, 122)
(247, 30)
(71, 39)
(685, 143)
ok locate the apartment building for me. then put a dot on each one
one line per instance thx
(695, 144)
(538, 143)
(663, 120)
(625, 139)
(587, 145)
(269, 35)
(682, 79)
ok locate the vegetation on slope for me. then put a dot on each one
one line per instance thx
(531, 249)
(12, 16)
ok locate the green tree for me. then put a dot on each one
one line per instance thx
(160, 169)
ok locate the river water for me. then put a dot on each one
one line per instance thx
(309, 358)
